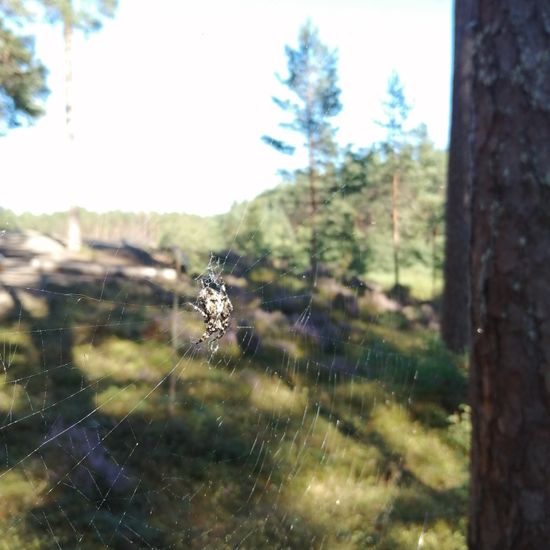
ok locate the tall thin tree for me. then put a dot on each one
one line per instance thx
(396, 111)
(312, 79)
(455, 319)
(510, 277)
(86, 16)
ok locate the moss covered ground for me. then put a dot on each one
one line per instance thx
(345, 427)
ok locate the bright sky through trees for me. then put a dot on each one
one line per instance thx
(171, 98)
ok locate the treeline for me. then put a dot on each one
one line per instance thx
(353, 211)
(354, 217)
(376, 211)
(194, 234)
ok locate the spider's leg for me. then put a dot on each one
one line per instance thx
(202, 338)
(196, 308)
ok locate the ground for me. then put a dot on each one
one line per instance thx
(320, 422)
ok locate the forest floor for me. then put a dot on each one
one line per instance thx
(328, 422)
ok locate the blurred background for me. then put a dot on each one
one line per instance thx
(298, 150)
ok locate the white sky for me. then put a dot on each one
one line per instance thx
(173, 96)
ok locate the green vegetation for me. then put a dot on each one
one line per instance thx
(342, 430)
(315, 98)
(22, 77)
(328, 418)
(354, 229)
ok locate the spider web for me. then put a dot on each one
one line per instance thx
(307, 428)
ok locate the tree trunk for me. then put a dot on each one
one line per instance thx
(395, 224)
(434, 257)
(314, 252)
(510, 278)
(68, 42)
(74, 233)
(455, 315)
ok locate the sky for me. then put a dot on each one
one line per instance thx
(171, 99)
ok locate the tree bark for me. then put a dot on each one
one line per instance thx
(395, 224)
(455, 316)
(510, 278)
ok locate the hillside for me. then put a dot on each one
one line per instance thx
(325, 421)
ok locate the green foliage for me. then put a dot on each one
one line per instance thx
(86, 16)
(460, 429)
(315, 98)
(196, 236)
(340, 243)
(262, 229)
(354, 221)
(396, 111)
(312, 79)
(22, 77)
(349, 458)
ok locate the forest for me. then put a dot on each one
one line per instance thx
(356, 357)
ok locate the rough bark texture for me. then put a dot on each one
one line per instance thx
(510, 277)
(455, 315)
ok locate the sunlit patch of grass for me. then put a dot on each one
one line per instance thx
(418, 278)
(123, 359)
(414, 363)
(15, 534)
(13, 335)
(273, 395)
(434, 463)
(212, 390)
(431, 536)
(346, 482)
(346, 508)
(119, 401)
(18, 492)
(358, 397)
(267, 276)
(400, 340)
(12, 398)
(269, 451)
(15, 348)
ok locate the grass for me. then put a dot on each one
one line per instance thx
(282, 449)
(418, 278)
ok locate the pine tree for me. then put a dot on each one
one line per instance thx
(510, 276)
(86, 16)
(455, 317)
(22, 77)
(396, 110)
(312, 79)
(83, 15)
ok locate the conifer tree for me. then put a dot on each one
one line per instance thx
(22, 77)
(312, 79)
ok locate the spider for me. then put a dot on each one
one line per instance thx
(214, 305)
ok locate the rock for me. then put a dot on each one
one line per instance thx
(381, 302)
(25, 244)
(428, 316)
(401, 293)
(346, 303)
